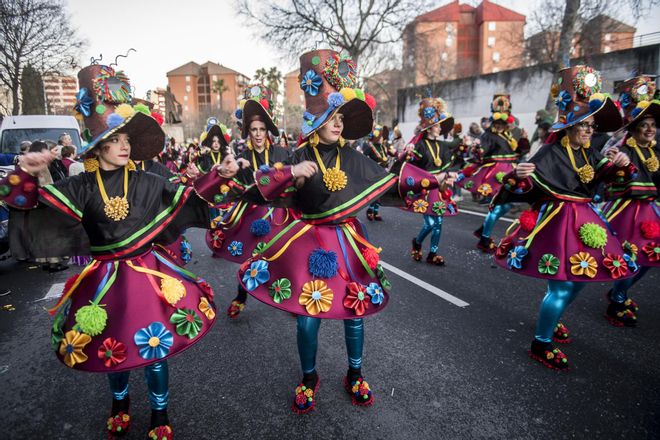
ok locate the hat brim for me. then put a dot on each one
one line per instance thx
(606, 117)
(445, 125)
(146, 136)
(252, 108)
(358, 120)
(215, 130)
(652, 110)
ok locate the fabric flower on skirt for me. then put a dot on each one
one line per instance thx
(256, 275)
(187, 322)
(420, 206)
(112, 352)
(583, 263)
(515, 257)
(280, 290)
(616, 265)
(376, 293)
(217, 238)
(485, 189)
(235, 248)
(72, 346)
(549, 264)
(316, 296)
(356, 298)
(206, 308)
(439, 208)
(153, 341)
(652, 251)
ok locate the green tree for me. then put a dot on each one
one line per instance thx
(32, 91)
(271, 78)
(220, 88)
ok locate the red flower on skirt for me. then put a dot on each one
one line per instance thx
(505, 245)
(616, 265)
(652, 251)
(356, 298)
(112, 352)
(208, 290)
(217, 238)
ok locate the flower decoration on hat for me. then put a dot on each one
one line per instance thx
(153, 341)
(563, 99)
(500, 104)
(311, 82)
(112, 87)
(587, 81)
(84, 102)
(340, 71)
(643, 90)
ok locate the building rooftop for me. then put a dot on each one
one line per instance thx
(192, 68)
(606, 23)
(486, 11)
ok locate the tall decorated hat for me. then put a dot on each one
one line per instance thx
(379, 133)
(214, 128)
(636, 99)
(329, 80)
(104, 102)
(577, 94)
(257, 103)
(500, 108)
(433, 111)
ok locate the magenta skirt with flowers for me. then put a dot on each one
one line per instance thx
(638, 223)
(118, 315)
(564, 241)
(245, 228)
(486, 179)
(322, 271)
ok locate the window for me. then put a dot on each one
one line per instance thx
(187, 88)
(492, 26)
(187, 79)
(496, 69)
(496, 57)
(491, 41)
(185, 107)
(608, 37)
(449, 27)
(215, 77)
(444, 56)
(607, 49)
(185, 98)
(449, 41)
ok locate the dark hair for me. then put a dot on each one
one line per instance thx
(67, 151)
(255, 117)
(545, 126)
(634, 124)
(37, 146)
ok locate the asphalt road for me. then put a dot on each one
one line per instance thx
(438, 371)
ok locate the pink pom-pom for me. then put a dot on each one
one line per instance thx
(371, 257)
(650, 229)
(528, 219)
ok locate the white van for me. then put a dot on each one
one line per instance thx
(16, 129)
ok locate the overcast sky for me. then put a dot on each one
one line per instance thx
(169, 33)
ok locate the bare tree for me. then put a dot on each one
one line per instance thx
(35, 32)
(355, 26)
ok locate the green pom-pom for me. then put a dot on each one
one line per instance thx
(91, 319)
(500, 176)
(218, 198)
(316, 60)
(593, 235)
(359, 94)
(100, 109)
(142, 109)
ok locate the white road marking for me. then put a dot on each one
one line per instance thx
(481, 214)
(424, 285)
(54, 292)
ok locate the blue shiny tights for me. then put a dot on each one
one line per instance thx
(373, 207)
(157, 378)
(560, 294)
(619, 293)
(432, 225)
(493, 216)
(308, 331)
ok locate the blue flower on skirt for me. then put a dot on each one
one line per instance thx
(632, 265)
(264, 168)
(186, 250)
(235, 248)
(410, 181)
(515, 257)
(256, 275)
(311, 82)
(376, 293)
(153, 341)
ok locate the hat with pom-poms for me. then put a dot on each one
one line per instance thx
(500, 108)
(257, 103)
(214, 128)
(329, 80)
(636, 100)
(577, 94)
(104, 102)
(432, 111)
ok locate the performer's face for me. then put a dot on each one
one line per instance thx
(645, 131)
(580, 134)
(331, 131)
(258, 134)
(215, 143)
(115, 152)
(435, 130)
(499, 126)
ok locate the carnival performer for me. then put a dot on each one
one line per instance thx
(495, 157)
(633, 210)
(564, 238)
(378, 151)
(321, 266)
(248, 225)
(132, 306)
(434, 155)
(214, 142)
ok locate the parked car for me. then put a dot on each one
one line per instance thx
(16, 129)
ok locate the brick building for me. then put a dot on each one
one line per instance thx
(458, 40)
(194, 87)
(60, 93)
(293, 94)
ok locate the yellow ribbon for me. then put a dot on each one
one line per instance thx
(621, 208)
(541, 225)
(91, 266)
(288, 243)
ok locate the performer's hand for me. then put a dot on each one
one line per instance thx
(243, 163)
(610, 152)
(621, 159)
(409, 149)
(192, 171)
(229, 167)
(450, 178)
(304, 169)
(525, 169)
(34, 163)
(204, 150)
(523, 134)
